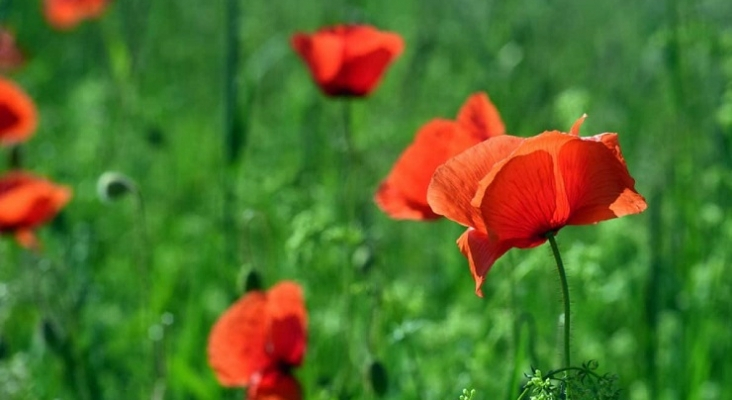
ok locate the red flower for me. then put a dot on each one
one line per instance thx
(27, 202)
(10, 55)
(513, 192)
(66, 14)
(18, 117)
(259, 339)
(348, 60)
(403, 194)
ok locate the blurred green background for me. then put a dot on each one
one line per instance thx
(120, 302)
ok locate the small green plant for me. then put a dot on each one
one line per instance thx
(467, 394)
(540, 388)
(576, 383)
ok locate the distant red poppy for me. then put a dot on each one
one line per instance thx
(26, 202)
(513, 192)
(348, 60)
(18, 117)
(258, 340)
(403, 194)
(11, 57)
(66, 14)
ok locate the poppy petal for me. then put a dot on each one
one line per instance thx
(397, 202)
(360, 75)
(481, 252)
(597, 184)
(368, 52)
(18, 115)
(550, 141)
(286, 310)
(403, 195)
(481, 117)
(574, 130)
(27, 201)
(48, 202)
(322, 52)
(275, 386)
(610, 140)
(454, 184)
(236, 345)
(66, 14)
(519, 202)
(362, 40)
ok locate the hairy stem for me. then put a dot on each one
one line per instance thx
(565, 296)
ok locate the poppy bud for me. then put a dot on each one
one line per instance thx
(51, 335)
(378, 378)
(114, 185)
(252, 281)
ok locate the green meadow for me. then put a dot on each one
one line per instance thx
(239, 166)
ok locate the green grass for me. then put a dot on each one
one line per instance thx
(111, 307)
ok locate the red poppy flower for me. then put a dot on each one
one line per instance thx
(347, 60)
(403, 194)
(259, 339)
(18, 117)
(513, 192)
(10, 55)
(27, 202)
(66, 14)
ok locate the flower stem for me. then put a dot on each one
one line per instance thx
(231, 130)
(348, 164)
(15, 159)
(565, 296)
(347, 143)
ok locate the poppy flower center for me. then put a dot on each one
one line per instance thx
(8, 117)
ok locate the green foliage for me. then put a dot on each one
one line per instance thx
(577, 383)
(467, 394)
(121, 307)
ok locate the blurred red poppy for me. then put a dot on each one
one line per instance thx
(513, 192)
(66, 14)
(403, 194)
(18, 116)
(26, 202)
(347, 60)
(259, 339)
(11, 57)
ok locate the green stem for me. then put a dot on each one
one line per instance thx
(347, 117)
(347, 165)
(15, 159)
(231, 143)
(565, 296)
(524, 392)
(232, 129)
